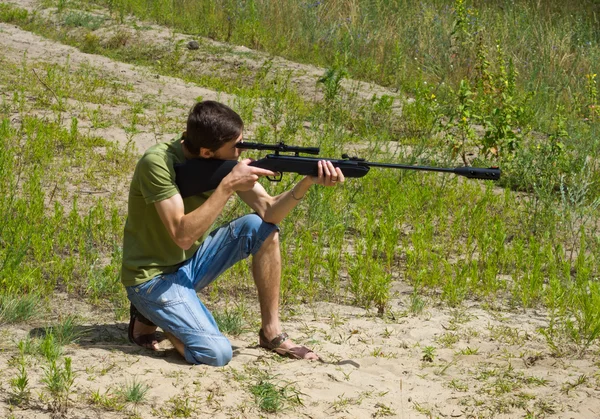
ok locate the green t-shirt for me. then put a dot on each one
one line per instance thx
(148, 249)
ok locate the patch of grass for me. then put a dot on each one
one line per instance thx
(107, 401)
(59, 381)
(82, 20)
(273, 396)
(230, 321)
(66, 332)
(469, 351)
(20, 389)
(133, 391)
(179, 407)
(16, 309)
(569, 386)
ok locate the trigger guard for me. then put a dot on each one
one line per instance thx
(275, 179)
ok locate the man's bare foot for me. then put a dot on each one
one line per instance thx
(143, 335)
(283, 345)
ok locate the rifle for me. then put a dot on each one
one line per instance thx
(196, 176)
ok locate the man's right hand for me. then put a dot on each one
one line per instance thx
(243, 177)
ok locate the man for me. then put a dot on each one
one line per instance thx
(168, 254)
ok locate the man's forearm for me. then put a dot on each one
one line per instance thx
(195, 224)
(287, 201)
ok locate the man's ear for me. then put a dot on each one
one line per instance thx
(205, 153)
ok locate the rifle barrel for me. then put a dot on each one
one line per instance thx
(409, 167)
(491, 173)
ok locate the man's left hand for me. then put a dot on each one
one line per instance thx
(327, 174)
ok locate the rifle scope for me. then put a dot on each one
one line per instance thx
(277, 148)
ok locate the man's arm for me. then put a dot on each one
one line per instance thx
(273, 209)
(185, 229)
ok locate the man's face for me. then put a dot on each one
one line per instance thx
(228, 151)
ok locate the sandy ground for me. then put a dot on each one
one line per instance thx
(484, 363)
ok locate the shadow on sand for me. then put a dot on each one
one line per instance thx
(111, 337)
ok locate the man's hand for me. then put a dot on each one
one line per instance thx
(243, 177)
(327, 174)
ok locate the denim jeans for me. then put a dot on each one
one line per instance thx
(170, 300)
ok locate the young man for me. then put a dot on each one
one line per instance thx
(168, 254)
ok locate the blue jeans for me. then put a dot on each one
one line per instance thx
(170, 300)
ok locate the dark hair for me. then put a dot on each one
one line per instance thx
(211, 124)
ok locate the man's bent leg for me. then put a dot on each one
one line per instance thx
(226, 246)
(219, 251)
(266, 269)
(170, 302)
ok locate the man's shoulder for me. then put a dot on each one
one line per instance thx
(166, 153)
(160, 149)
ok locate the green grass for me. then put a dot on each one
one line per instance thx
(66, 332)
(230, 322)
(133, 392)
(15, 308)
(396, 43)
(273, 397)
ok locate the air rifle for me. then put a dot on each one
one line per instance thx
(196, 176)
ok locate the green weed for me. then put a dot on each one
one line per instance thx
(273, 397)
(428, 354)
(19, 385)
(15, 309)
(230, 321)
(133, 392)
(66, 332)
(58, 381)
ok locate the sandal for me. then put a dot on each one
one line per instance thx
(145, 341)
(133, 312)
(297, 352)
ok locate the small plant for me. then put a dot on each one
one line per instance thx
(447, 340)
(133, 392)
(108, 400)
(332, 83)
(342, 402)
(417, 304)
(461, 137)
(568, 386)
(272, 397)
(469, 351)
(383, 410)
(18, 308)
(458, 385)
(179, 407)
(49, 348)
(66, 332)
(59, 381)
(229, 321)
(428, 354)
(593, 105)
(19, 385)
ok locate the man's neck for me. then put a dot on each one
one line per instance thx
(186, 153)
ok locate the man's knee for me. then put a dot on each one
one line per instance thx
(216, 353)
(258, 233)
